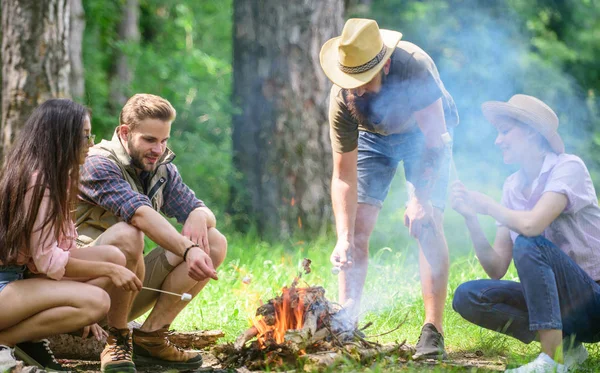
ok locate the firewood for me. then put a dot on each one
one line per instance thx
(245, 337)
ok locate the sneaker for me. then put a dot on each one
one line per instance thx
(542, 364)
(154, 348)
(40, 355)
(575, 356)
(430, 344)
(7, 358)
(116, 356)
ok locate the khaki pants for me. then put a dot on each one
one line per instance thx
(157, 269)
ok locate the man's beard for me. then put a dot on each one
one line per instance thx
(137, 159)
(361, 107)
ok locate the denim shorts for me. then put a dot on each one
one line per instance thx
(378, 159)
(9, 274)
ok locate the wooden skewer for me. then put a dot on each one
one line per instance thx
(185, 296)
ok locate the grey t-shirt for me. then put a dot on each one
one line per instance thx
(412, 84)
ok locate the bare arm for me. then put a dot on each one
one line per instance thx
(344, 193)
(494, 259)
(344, 200)
(533, 222)
(159, 230)
(155, 226)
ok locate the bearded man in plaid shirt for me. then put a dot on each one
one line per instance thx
(126, 183)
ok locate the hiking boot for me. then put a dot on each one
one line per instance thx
(7, 359)
(39, 354)
(154, 348)
(116, 356)
(430, 344)
(542, 364)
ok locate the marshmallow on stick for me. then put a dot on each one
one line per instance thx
(186, 297)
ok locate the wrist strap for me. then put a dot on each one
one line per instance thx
(188, 249)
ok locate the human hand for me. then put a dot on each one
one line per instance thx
(95, 330)
(195, 229)
(419, 216)
(124, 279)
(200, 265)
(476, 201)
(459, 200)
(341, 256)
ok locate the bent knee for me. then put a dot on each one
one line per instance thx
(129, 239)
(114, 255)
(218, 246)
(96, 304)
(462, 301)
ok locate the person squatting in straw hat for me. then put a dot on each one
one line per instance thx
(548, 223)
(47, 285)
(388, 104)
(126, 183)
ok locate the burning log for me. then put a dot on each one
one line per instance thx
(301, 328)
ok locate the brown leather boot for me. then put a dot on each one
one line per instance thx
(154, 348)
(116, 356)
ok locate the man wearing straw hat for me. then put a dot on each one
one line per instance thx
(388, 104)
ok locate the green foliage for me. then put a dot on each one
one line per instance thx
(184, 55)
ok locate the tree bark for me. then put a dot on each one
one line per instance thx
(129, 32)
(76, 78)
(281, 133)
(35, 59)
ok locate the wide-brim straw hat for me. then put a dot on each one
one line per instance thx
(531, 111)
(354, 58)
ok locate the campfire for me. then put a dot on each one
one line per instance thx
(299, 327)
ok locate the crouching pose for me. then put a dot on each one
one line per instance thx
(126, 183)
(548, 223)
(47, 286)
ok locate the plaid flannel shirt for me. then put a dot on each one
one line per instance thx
(102, 183)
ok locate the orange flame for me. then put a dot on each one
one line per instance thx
(289, 315)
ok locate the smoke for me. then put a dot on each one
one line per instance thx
(484, 52)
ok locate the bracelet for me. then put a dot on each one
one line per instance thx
(188, 249)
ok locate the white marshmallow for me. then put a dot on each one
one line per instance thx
(186, 297)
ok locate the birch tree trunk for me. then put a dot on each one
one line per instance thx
(281, 134)
(35, 59)
(129, 32)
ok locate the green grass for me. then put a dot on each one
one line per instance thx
(392, 291)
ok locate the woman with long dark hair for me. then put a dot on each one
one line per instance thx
(38, 189)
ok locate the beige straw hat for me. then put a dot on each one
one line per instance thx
(531, 111)
(355, 57)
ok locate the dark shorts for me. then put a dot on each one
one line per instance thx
(9, 274)
(378, 159)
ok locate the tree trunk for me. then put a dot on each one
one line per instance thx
(129, 32)
(35, 59)
(77, 80)
(281, 134)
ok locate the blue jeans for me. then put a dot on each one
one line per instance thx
(9, 274)
(553, 293)
(378, 159)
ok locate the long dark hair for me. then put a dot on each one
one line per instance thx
(48, 148)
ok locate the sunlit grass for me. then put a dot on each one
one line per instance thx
(392, 291)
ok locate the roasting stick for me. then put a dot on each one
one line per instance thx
(186, 297)
(453, 173)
